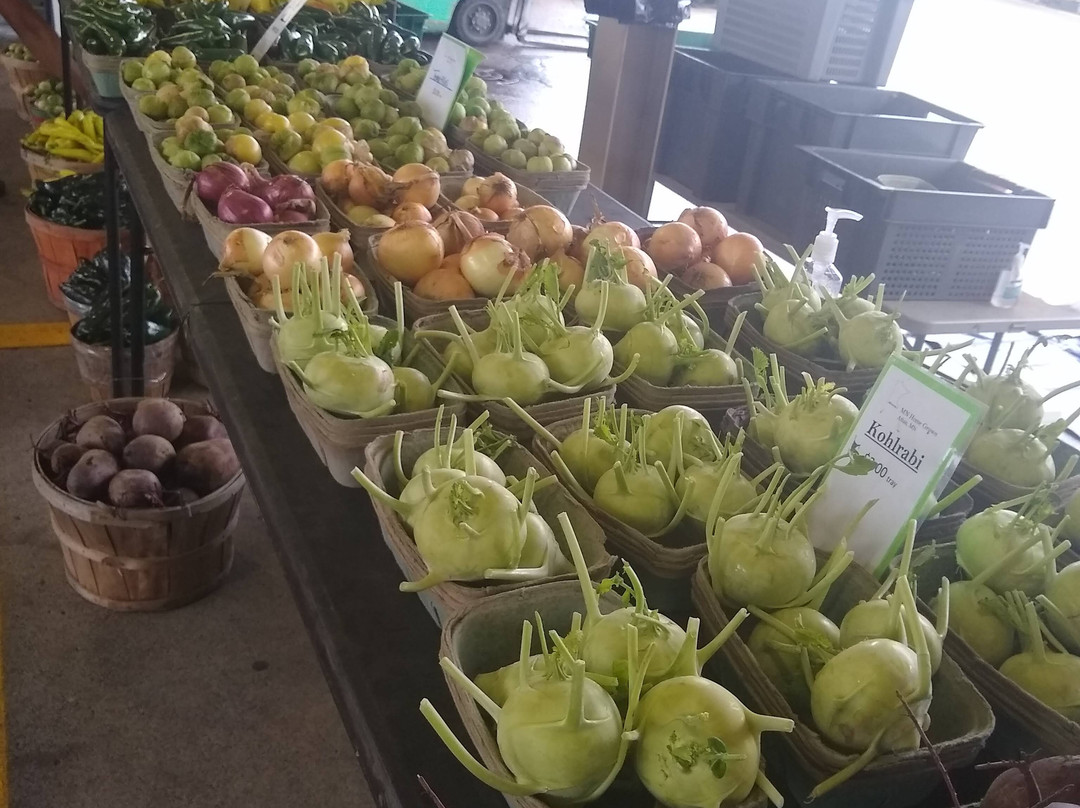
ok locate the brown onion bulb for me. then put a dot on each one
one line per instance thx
(415, 182)
(410, 212)
(540, 231)
(444, 283)
(611, 235)
(640, 269)
(369, 185)
(674, 246)
(709, 224)
(498, 193)
(705, 275)
(410, 251)
(457, 228)
(487, 261)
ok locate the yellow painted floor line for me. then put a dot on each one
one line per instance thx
(34, 335)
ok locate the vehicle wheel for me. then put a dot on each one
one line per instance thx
(479, 22)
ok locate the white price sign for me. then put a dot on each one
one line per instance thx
(915, 427)
(451, 66)
(276, 27)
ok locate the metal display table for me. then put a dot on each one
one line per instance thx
(377, 647)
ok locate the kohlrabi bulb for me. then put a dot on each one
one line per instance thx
(987, 536)
(761, 561)
(977, 616)
(777, 642)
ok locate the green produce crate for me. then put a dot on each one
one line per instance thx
(406, 17)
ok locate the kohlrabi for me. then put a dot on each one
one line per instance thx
(1020, 457)
(764, 413)
(881, 616)
(1061, 602)
(653, 340)
(566, 350)
(867, 339)
(698, 440)
(788, 642)
(794, 324)
(1051, 676)
(699, 481)
(776, 288)
(764, 558)
(811, 428)
(710, 367)
(482, 443)
(317, 316)
(561, 736)
(605, 273)
(858, 698)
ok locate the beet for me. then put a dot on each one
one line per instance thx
(89, 477)
(207, 465)
(101, 432)
(158, 416)
(181, 496)
(1010, 789)
(151, 452)
(135, 488)
(199, 428)
(63, 458)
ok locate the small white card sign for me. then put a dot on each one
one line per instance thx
(267, 40)
(915, 427)
(451, 66)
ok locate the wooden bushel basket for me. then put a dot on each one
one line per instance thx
(139, 559)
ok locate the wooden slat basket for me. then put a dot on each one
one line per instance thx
(527, 197)
(144, 559)
(447, 598)
(960, 718)
(44, 167)
(339, 441)
(486, 636)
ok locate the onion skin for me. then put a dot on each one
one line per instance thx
(497, 193)
(243, 251)
(237, 206)
(410, 251)
(674, 246)
(285, 188)
(335, 177)
(571, 272)
(709, 224)
(444, 283)
(705, 275)
(736, 255)
(369, 185)
(540, 231)
(415, 182)
(284, 251)
(576, 248)
(410, 212)
(471, 186)
(611, 235)
(485, 214)
(486, 262)
(457, 228)
(336, 242)
(216, 179)
(640, 269)
(468, 202)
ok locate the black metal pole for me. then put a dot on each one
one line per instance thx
(138, 304)
(65, 64)
(116, 303)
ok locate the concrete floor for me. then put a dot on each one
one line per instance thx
(221, 703)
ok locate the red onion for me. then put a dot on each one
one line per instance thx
(295, 210)
(284, 188)
(237, 206)
(216, 178)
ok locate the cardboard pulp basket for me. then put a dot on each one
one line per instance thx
(856, 382)
(138, 559)
(664, 565)
(561, 188)
(44, 167)
(216, 231)
(960, 718)
(416, 308)
(105, 71)
(486, 636)
(993, 490)
(339, 440)
(527, 197)
(256, 321)
(449, 597)
(95, 366)
(23, 75)
(502, 417)
(1026, 723)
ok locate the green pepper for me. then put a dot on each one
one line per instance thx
(325, 51)
(390, 48)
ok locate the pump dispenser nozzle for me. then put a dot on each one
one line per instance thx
(825, 244)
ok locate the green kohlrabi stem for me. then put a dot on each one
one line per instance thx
(466, 338)
(524, 652)
(954, 495)
(399, 471)
(592, 603)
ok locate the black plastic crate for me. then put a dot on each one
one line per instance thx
(704, 131)
(949, 243)
(786, 114)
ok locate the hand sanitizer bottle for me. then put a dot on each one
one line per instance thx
(822, 273)
(1007, 292)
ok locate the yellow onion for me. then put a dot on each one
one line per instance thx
(410, 212)
(705, 275)
(379, 220)
(457, 228)
(262, 294)
(331, 242)
(709, 224)
(485, 214)
(577, 243)
(674, 246)
(486, 262)
(640, 269)
(471, 186)
(571, 272)
(244, 248)
(468, 202)
(540, 231)
(612, 235)
(497, 193)
(368, 185)
(737, 254)
(452, 261)
(335, 177)
(511, 213)
(444, 283)
(415, 182)
(285, 251)
(410, 251)
(357, 286)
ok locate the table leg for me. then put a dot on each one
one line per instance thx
(138, 304)
(995, 344)
(116, 300)
(65, 64)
